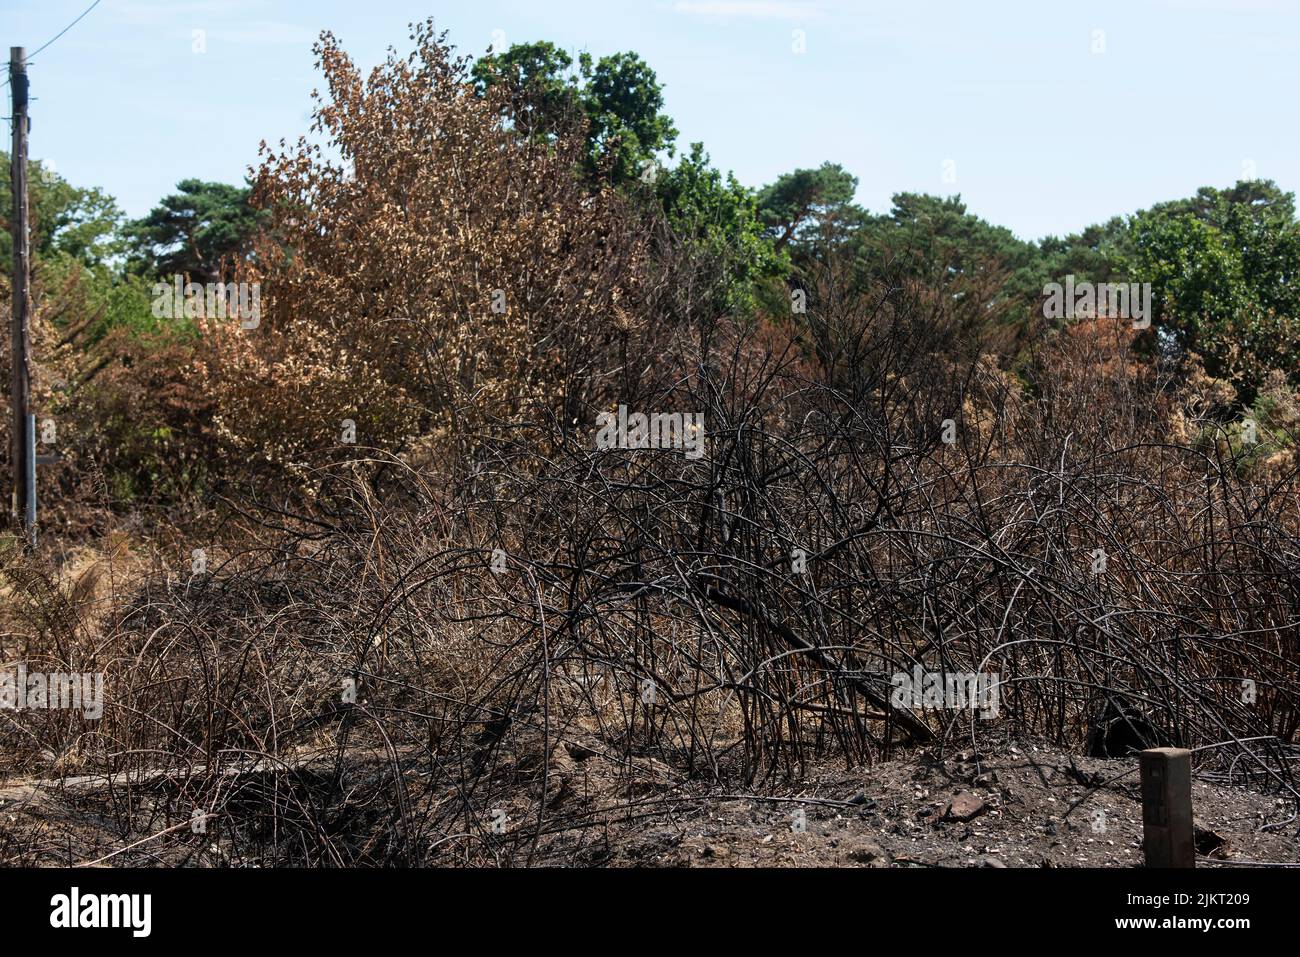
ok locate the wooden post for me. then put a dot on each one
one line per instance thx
(20, 392)
(1168, 840)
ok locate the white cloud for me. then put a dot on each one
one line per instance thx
(225, 21)
(751, 9)
(138, 12)
(265, 33)
(1232, 6)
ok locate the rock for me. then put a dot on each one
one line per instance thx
(1210, 844)
(561, 760)
(964, 807)
(992, 862)
(559, 788)
(579, 751)
(868, 853)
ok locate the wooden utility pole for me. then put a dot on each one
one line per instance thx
(24, 425)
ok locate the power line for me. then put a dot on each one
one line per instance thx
(65, 29)
(57, 35)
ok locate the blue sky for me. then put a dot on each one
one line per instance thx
(1043, 134)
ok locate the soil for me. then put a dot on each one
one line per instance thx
(1023, 806)
(1017, 805)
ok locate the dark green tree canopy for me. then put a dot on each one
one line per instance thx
(625, 102)
(720, 217)
(194, 230)
(1094, 253)
(798, 199)
(1224, 265)
(65, 220)
(619, 96)
(939, 236)
(544, 94)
